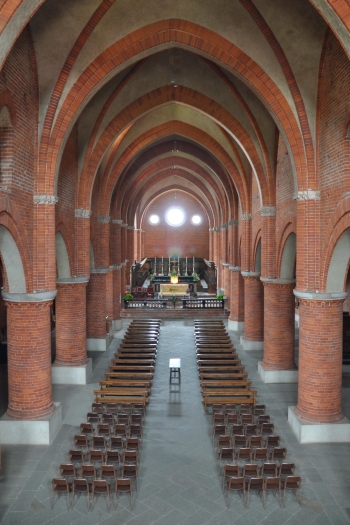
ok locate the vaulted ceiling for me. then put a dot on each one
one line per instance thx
(179, 94)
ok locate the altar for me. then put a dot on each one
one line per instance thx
(173, 289)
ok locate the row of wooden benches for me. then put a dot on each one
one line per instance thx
(222, 376)
(130, 374)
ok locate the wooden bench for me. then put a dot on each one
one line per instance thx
(215, 383)
(125, 383)
(133, 400)
(221, 369)
(122, 361)
(224, 376)
(128, 368)
(218, 362)
(215, 350)
(239, 397)
(138, 344)
(130, 375)
(217, 355)
(137, 350)
(135, 355)
(121, 392)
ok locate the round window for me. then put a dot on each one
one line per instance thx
(175, 216)
(154, 219)
(196, 219)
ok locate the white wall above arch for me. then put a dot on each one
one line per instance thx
(62, 258)
(339, 263)
(288, 257)
(12, 261)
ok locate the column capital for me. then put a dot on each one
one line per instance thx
(104, 219)
(320, 297)
(216, 229)
(34, 297)
(80, 213)
(251, 275)
(268, 280)
(308, 195)
(235, 268)
(124, 225)
(245, 217)
(45, 199)
(73, 280)
(117, 221)
(268, 211)
(233, 222)
(224, 227)
(98, 270)
(224, 263)
(131, 227)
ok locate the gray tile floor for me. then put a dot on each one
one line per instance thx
(179, 481)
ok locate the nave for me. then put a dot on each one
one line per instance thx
(179, 480)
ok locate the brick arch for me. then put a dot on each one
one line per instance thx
(7, 100)
(339, 222)
(11, 220)
(157, 98)
(188, 131)
(163, 176)
(170, 188)
(225, 190)
(194, 37)
(160, 166)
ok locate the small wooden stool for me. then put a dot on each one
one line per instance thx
(175, 369)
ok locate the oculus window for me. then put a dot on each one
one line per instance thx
(196, 220)
(175, 216)
(154, 219)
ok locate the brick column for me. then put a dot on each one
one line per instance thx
(71, 322)
(236, 319)
(96, 310)
(82, 241)
(253, 338)
(268, 252)
(320, 360)
(117, 321)
(29, 355)
(278, 365)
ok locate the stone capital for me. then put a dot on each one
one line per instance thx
(80, 213)
(45, 199)
(320, 297)
(104, 219)
(251, 276)
(117, 221)
(216, 229)
(308, 195)
(233, 223)
(245, 217)
(73, 280)
(124, 225)
(34, 297)
(235, 268)
(268, 211)
(224, 227)
(131, 227)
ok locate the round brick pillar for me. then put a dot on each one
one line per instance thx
(71, 323)
(279, 332)
(320, 360)
(236, 318)
(96, 304)
(29, 358)
(253, 308)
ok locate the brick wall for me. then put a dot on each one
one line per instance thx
(333, 117)
(18, 90)
(187, 240)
